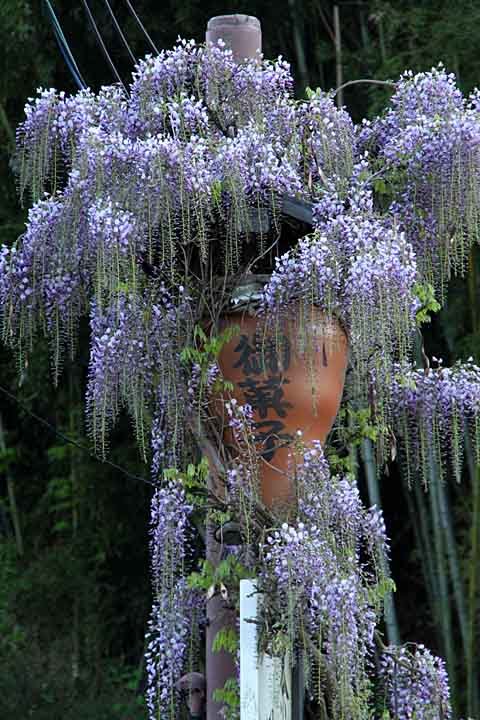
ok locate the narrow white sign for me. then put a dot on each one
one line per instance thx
(265, 682)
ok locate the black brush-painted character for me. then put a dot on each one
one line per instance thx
(266, 395)
(269, 434)
(254, 362)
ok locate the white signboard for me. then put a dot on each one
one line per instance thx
(265, 682)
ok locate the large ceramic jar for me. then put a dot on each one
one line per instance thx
(291, 390)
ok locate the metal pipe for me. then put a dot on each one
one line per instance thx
(241, 33)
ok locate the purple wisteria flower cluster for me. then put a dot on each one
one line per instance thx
(320, 575)
(416, 684)
(431, 411)
(429, 141)
(123, 182)
(146, 203)
(176, 608)
(135, 364)
(359, 268)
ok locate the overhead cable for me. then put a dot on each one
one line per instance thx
(64, 47)
(142, 27)
(119, 30)
(102, 44)
(71, 441)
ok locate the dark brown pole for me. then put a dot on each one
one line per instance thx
(243, 35)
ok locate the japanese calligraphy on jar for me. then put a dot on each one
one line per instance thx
(288, 391)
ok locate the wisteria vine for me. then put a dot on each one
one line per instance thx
(148, 205)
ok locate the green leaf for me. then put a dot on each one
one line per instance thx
(226, 639)
(428, 304)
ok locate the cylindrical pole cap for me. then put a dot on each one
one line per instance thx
(241, 33)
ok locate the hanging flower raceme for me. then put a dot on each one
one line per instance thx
(431, 411)
(135, 363)
(328, 139)
(40, 287)
(323, 600)
(48, 140)
(416, 684)
(360, 270)
(176, 609)
(429, 142)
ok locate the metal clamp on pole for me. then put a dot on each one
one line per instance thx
(193, 687)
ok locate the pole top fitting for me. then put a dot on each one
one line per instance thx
(193, 685)
(241, 33)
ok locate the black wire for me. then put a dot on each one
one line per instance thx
(102, 44)
(119, 30)
(142, 27)
(64, 47)
(71, 441)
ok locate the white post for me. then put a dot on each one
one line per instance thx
(265, 682)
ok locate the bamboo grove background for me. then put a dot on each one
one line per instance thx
(74, 585)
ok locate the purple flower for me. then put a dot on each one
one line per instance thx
(416, 684)
(431, 410)
(176, 609)
(317, 584)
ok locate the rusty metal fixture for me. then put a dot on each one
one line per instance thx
(241, 33)
(230, 533)
(193, 685)
(291, 393)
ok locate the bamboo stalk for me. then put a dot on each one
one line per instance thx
(417, 512)
(391, 622)
(298, 42)
(453, 562)
(443, 602)
(5, 122)
(364, 29)
(11, 498)
(338, 55)
(381, 39)
(473, 692)
(74, 490)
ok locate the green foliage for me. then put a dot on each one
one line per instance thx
(385, 586)
(358, 424)
(7, 458)
(428, 304)
(229, 695)
(227, 574)
(194, 480)
(339, 463)
(226, 639)
(205, 351)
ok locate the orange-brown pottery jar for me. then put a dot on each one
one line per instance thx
(290, 392)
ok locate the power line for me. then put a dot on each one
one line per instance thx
(119, 30)
(71, 441)
(64, 47)
(142, 27)
(102, 44)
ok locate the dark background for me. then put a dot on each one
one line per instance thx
(74, 586)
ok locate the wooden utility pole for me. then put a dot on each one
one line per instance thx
(338, 54)
(243, 35)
